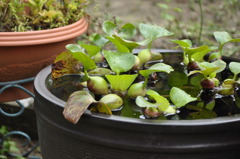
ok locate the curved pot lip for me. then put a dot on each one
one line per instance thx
(44, 36)
(40, 87)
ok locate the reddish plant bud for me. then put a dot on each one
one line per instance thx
(192, 66)
(207, 83)
(151, 112)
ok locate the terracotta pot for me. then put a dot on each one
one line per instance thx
(24, 54)
(99, 136)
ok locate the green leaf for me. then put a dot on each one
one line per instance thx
(215, 55)
(220, 64)
(76, 105)
(237, 100)
(207, 68)
(196, 79)
(99, 40)
(198, 50)
(162, 67)
(210, 105)
(109, 28)
(100, 71)
(120, 47)
(234, 67)
(119, 61)
(164, 103)
(3, 157)
(203, 114)
(91, 49)
(86, 60)
(100, 107)
(163, 6)
(121, 82)
(127, 31)
(180, 98)
(143, 103)
(222, 37)
(145, 41)
(127, 110)
(199, 54)
(177, 79)
(129, 44)
(74, 48)
(148, 30)
(160, 102)
(183, 43)
(159, 67)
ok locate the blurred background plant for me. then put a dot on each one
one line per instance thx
(183, 17)
(22, 15)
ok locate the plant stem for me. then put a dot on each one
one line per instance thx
(201, 21)
(145, 82)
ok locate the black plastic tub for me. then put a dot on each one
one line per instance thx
(98, 136)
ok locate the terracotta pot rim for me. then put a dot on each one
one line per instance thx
(40, 87)
(44, 36)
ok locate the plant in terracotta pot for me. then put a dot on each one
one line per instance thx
(28, 25)
(131, 103)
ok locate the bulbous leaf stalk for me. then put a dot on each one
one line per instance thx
(113, 101)
(137, 89)
(97, 85)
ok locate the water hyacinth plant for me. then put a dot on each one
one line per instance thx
(120, 81)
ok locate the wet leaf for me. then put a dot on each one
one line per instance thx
(180, 98)
(76, 105)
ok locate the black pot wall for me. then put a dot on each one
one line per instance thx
(112, 137)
